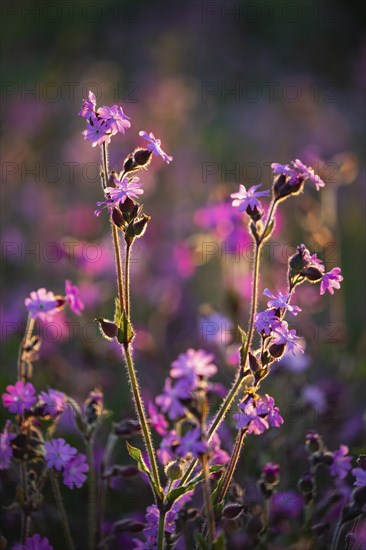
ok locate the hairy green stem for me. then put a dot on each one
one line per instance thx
(61, 510)
(127, 278)
(161, 530)
(143, 421)
(27, 335)
(210, 515)
(232, 465)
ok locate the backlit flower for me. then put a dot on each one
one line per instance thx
(20, 397)
(43, 304)
(72, 298)
(244, 199)
(155, 146)
(331, 280)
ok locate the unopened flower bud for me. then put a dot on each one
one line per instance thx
(312, 274)
(313, 442)
(277, 350)
(254, 363)
(299, 261)
(93, 406)
(271, 474)
(140, 158)
(118, 218)
(232, 511)
(254, 213)
(174, 470)
(283, 188)
(306, 484)
(139, 227)
(127, 428)
(108, 328)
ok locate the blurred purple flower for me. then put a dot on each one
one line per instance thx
(157, 419)
(264, 321)
(244, 199)
(6, 452)
(20, 397)
(341, 462)
(115, 118)
(266, 405)
(58, 453)
(35, 542)
(297, 171)
(193, 364)
(280, 301)
(155, 146)
(217, 455)
(97, 131)
(314, 396)
(331, 280)
(191, 444)
(286, 503)
(360, 475)
(43, 304)
(316, 262)
(168, 444)
(74, 471)
(53, 402)
(170, 401)
(282, 335)
(72, 297)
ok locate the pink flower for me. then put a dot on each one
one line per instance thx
(20, 397)
(155, 146)
(282, 335)
(193, 364)
(264, 321)
(53, 402)
(88, 108)
(97, 131)
(281, 301)
(115, 119)
(248, 199)
(43, 304)
(170, 401)
(360, 475)
(6, 452)
(72, 298)
(125, 188)
(157, 419)
(341, 462)
(297, 171)
(331, 280)
(74, 471)
(58, 453)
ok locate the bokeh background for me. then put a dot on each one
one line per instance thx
(229, 87)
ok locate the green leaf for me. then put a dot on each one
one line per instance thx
(179, 491)
(219, 543)
(125, 332)
(142, 466)
(202, 543)
(244, 342)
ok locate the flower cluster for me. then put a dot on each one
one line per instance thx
(297, 172)
(257, 414)
(62, 457)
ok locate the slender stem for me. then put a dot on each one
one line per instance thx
(232, 464)
(127, 278)
(117, 251)
(143, 420)
(210, 516)
(240, 377)
(61, 510)
(161, 530)
(92, 495)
